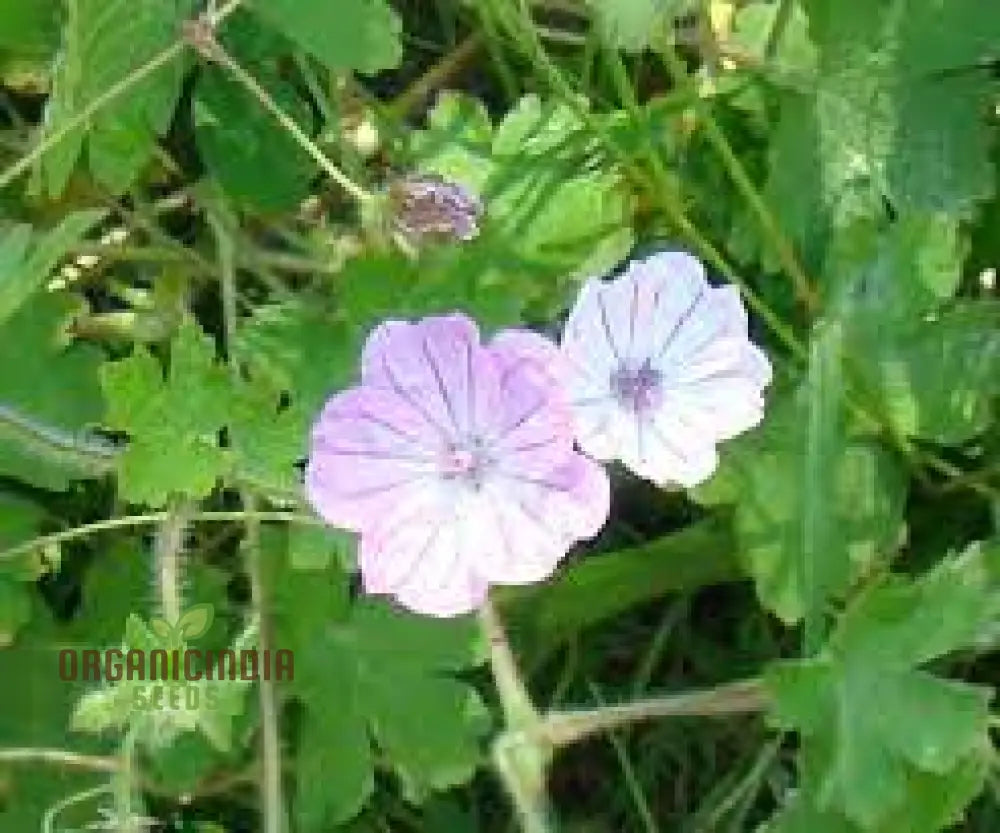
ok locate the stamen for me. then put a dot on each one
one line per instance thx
(637, 388)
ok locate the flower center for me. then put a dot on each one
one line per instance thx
(465, 461)
(637, 388)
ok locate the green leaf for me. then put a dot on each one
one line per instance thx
(794, 61)
(15, 608)
(934, 803)
(815, 508)
(456, 143)
(298, 352)
(888, 119)
(35, 713)
(862, 761)
(237, 138)
(360, 35)
(897, 273)
(30, 27)
(106, 42)
(634, 25)
(173, 422)
(20, 521)
(934, 378)
(267, 440)
(49, 396)
(301, 348)
(554, 211)
(320, 548)
(352, 660)
(535, 127)
(159, 711)
(27, 259)
(549, 614)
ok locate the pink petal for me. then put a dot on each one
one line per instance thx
(368, 451)
(434, 365)
(571, 502)
(531, 426)
(419, 561)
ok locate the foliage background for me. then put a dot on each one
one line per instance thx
(195, 237)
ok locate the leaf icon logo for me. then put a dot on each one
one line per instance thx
(193, 623)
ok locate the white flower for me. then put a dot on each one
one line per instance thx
(659, 368)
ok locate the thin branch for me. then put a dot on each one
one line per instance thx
(53, 812)
(168, 559)
(564, 728)
(150, 519)
(212, 51)
(270, 776)
(741, 179)
(60, 757)
(86, 454)
(270, 780)
(435, 77)
(115, 91)
(519, 711)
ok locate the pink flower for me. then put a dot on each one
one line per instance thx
(454, 461)
(659, 368)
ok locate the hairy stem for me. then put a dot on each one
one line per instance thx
(519, 712)
(150, 519)
(60, 757)
(520, 754)
(213, 51)
(167, 560)
(564, 728)
(270, 779)
(86, 454)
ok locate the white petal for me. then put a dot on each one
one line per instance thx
(588, 341)
(673, 451)
(420, 561)
(537, 519)
(598, 427)
(675, 285)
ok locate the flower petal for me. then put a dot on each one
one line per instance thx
(432, 364)
(531, 427)
(538, 519)
(668, 450)
(420, 561)
(368, 450)
(588, 342)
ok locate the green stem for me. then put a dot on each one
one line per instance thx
(270, 780)
(91, 456)
(168, 558)
(60, 757)
(150, 519)
(564, 728)
(741, 179)
(215, 53)
(520, 754)
(519, 711)
(124, 788)
(53, 812)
